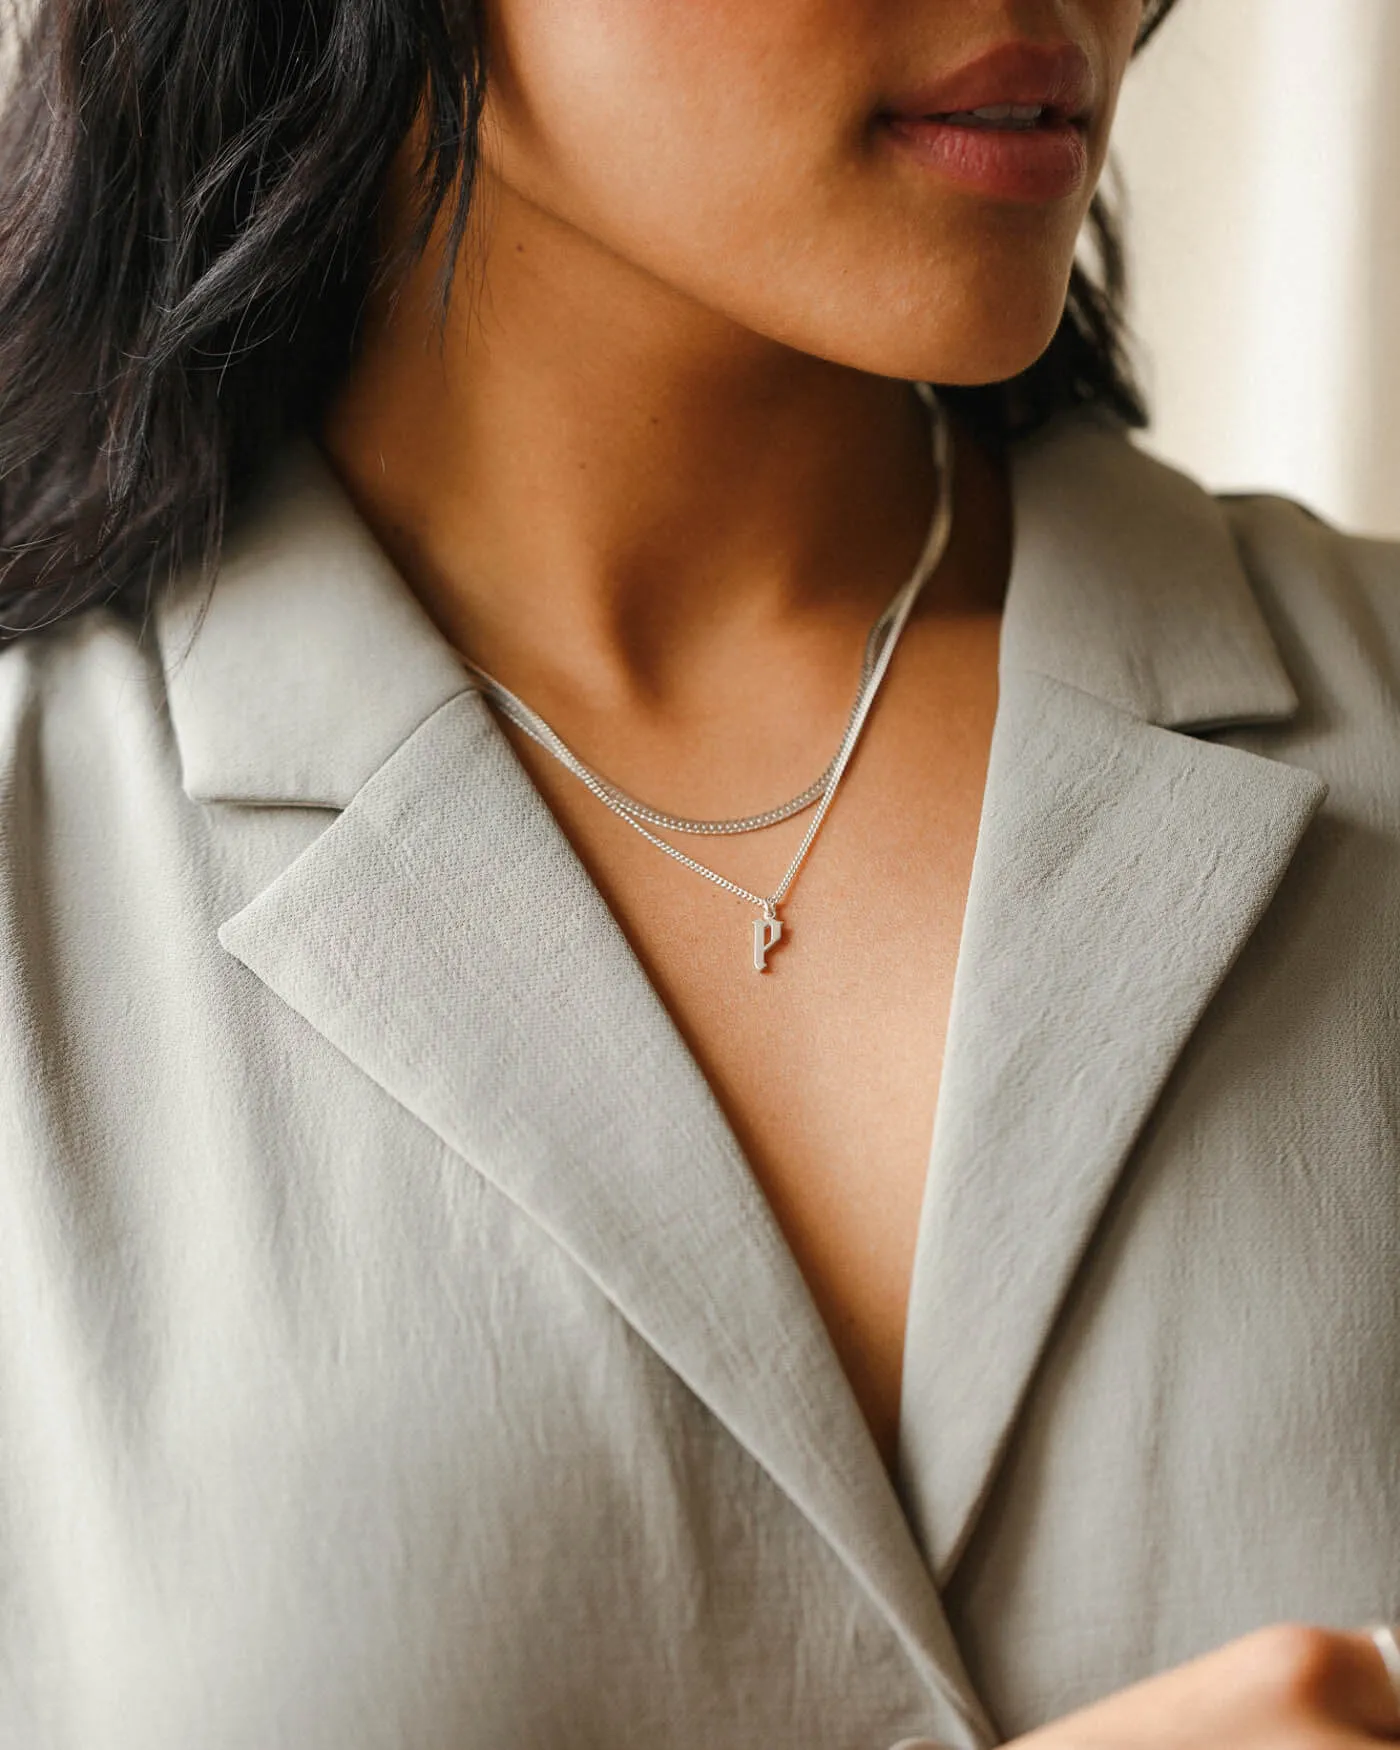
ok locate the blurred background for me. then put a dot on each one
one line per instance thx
(1259, 148)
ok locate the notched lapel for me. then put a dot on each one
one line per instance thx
(1120, 869)
(442, 935)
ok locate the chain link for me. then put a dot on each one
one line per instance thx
(533, 725)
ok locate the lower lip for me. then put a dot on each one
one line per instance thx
(1043, 163)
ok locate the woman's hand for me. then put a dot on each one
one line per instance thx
(1287, 1687)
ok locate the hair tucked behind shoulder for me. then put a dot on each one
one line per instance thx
(187, 199)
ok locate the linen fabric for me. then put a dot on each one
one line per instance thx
(396, 1352)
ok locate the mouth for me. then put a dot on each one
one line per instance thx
(1018, 84)
(1013, 124)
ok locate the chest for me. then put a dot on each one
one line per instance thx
(827, 1064)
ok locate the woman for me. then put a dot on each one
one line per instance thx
(473, 1272)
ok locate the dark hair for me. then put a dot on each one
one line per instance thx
(187, 199)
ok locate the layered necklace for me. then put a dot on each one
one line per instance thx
(819, 795)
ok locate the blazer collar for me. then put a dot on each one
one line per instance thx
(1126, 584)
(310, 661)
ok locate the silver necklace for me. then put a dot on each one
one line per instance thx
(879, 649)
(524, 718)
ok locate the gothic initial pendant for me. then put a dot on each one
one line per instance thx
(767, 933)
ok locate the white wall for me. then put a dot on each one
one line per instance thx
(1259, 142)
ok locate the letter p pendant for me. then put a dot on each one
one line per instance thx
(767, 933)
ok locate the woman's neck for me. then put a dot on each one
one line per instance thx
(604, 493)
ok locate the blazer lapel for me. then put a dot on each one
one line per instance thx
(442, 935)
(1120, 867)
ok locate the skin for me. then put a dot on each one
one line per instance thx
(663, 474)
(659, 474)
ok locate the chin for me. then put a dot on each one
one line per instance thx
(981, 329)
(989, 332)
(971, 366)
(990, 353)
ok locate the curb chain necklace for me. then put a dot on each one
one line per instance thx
(879, 649)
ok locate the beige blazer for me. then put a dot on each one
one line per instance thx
(395, 1351)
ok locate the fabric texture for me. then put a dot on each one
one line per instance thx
(396, 1352)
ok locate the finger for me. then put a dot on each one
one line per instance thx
(1366, 1694)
